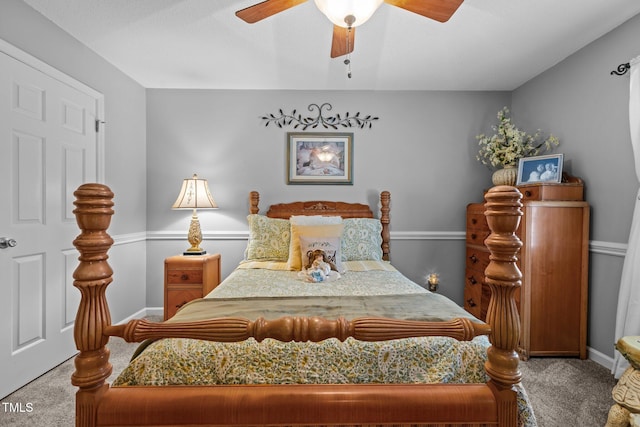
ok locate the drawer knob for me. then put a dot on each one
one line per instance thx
(527, 193)
(184, 277)
(474, 221)
(471, 302)
(473, 258)
(472, 280)
(474, 236)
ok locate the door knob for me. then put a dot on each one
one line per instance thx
(7, 243)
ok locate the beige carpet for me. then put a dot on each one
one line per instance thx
(563, 392)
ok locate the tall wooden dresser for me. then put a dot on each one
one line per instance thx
(554, 258)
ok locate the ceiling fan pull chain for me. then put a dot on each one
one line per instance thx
(347, 60)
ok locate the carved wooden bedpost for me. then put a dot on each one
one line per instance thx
(504, 278)
(385, 199)
(254, 199)
(93, 275)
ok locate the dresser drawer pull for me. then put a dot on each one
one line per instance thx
(527, 193)
(473, 258)
(471, 302)
(474, 236)
(184, 277)
(472, 280)
(474, 221)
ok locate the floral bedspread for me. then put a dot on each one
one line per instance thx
(411, 360)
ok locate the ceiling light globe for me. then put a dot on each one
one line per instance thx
(338, 11)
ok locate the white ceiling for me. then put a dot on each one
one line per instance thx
(486, 45)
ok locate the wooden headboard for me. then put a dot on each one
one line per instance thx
(329, 208)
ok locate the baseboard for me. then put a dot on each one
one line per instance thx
(148, 311)
(155, 311)
(600, 358)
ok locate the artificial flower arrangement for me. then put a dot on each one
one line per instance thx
(509, 144)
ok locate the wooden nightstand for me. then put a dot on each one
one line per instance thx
(187, 278)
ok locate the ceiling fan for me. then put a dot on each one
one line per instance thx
(348, 14)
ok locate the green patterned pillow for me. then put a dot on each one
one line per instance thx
(268, 239)
(362, 239)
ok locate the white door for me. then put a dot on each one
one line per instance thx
(48, 147)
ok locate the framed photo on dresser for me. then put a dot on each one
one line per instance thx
(540, 169)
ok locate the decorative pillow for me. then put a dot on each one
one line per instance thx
(268, 239)
(329, 245)
(327, 230)
(306, 220)
(362, 239)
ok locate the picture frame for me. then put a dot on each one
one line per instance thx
(532, 170)
(320, 158)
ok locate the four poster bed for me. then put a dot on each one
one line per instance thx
(270, 346)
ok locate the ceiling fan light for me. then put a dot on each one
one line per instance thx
(339, 11)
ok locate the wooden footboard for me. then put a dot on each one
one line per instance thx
(493, 403)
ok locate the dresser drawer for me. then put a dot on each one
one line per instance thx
(476, 220)
(477, 236)
(552, 191)
(473, 300)
(477, 259)
(184, 276)
(474, 278)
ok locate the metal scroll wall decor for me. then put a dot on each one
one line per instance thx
(622, 69)
(296, 119)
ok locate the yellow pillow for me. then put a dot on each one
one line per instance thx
(327, 230)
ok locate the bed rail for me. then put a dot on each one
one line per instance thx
(299, 329)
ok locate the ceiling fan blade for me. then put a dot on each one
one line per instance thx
(440, 10)
(265, 9)
(339, 45)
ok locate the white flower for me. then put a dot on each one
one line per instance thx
(509, 144)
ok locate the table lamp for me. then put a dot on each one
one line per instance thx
(195, 194)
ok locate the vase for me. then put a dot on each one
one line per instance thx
(505, 176)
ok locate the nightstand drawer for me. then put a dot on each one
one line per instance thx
(178, 298)
(184, 276)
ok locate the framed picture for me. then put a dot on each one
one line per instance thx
(540, 169)
(320, 158)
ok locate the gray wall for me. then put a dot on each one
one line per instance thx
(422, 149)
(125, 140)
(588, 109)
